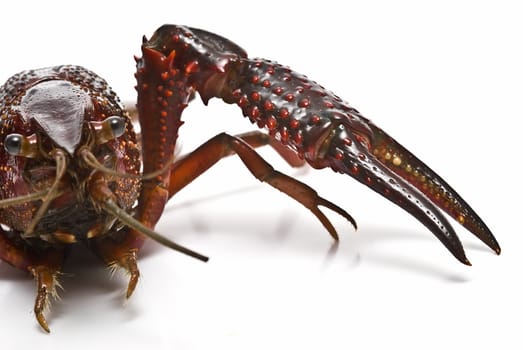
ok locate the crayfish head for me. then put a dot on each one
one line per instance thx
(49, 115)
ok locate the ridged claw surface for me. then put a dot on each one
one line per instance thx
(322, 128)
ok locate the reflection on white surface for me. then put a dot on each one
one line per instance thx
(273, 279)
(444, 80)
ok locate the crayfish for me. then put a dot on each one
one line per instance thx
(73, 170)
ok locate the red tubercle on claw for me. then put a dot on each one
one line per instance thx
(237, 93)
(272, 123)
(328, 104)
(289, 97)
(347, 141)
(255, 96)
(298, 137)
(278, 90)
(266, 84)
(192, 67)
(284, 133)
(338, 155)
(243, 101)
(255, 79)
(294, 124)
(284, 113)
(304, 103)
(255, 112)
(315, 119)
(268, 105)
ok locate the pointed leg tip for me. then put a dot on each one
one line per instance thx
(496, 248)
(354, 224)
(334, 236)
(43, 323)
(461, 257)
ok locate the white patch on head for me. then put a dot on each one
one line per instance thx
(59, 108)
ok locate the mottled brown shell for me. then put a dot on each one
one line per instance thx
(56, 104)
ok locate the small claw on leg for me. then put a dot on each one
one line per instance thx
(128, 262)
(309, 198)
(121, 253)
(46, 285)
(325, 203)
(196, 163)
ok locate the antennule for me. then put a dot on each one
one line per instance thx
(61, 167)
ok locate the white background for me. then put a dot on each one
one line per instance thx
(443, 78)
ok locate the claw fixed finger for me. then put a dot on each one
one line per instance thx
(403, 163)
(360, 162)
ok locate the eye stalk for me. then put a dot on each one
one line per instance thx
(117, 125)
(108, 129)
(20, 145)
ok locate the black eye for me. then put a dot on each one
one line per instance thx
(117, 125)
(13, 144)
(108, 129)
(19, 145)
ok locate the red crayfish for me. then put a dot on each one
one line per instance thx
(73, 170)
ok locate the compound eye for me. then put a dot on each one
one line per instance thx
(19, 145)
(13, 144)
(108, 129)
(117, 125)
